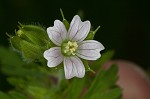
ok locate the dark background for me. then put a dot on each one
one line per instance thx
(125, 24)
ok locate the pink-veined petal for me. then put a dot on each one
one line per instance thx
(73, 67)
(78, 30)
(57, 33)
(89, 50)
(54, 56)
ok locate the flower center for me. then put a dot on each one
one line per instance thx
(69, 48)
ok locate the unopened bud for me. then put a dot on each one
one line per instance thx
(31, 41)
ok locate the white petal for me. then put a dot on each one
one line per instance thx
(57, 33)
(54, 56)
(73, 66)
(90, 50)
(78, 30)
(91, 44)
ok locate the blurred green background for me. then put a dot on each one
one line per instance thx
(125, 24)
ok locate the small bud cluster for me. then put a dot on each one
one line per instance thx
(31, 41)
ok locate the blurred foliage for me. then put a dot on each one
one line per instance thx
(33, 81)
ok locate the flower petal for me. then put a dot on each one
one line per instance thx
(73, 66)
(57, 33)
(90, 50)
(78, 30)
(54, 56)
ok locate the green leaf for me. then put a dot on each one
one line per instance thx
(4, 96)
(75, 88)
(18, 82)
(104, 85)
(9, 58)
(16, 95)
(36, 92)
(39, 92)
(109, 94)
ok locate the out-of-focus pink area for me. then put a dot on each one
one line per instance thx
(132, 79)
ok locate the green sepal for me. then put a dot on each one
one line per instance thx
(15, 42)
(31, 51)
(66, 23)
(92, 34)
(87, 67)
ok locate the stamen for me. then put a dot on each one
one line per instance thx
(70, 48)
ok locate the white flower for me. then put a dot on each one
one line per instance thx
(70, 47)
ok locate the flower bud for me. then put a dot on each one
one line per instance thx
(31, 41)
(15, 40)
(34, 34)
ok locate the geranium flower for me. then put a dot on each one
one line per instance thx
(70, 47)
